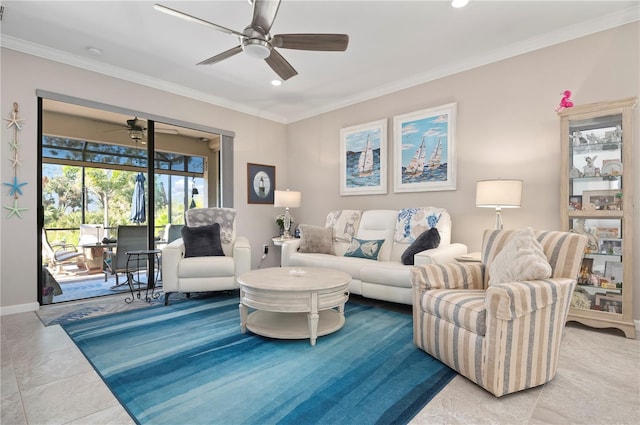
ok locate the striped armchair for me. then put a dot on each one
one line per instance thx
(504, 337)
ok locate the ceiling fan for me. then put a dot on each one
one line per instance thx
(256, 40)
(137, 130)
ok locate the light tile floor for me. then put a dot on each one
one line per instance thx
(46, 380)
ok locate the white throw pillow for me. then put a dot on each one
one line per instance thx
(522, 258)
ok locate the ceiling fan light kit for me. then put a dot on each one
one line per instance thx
(257, 42)
(258, 49)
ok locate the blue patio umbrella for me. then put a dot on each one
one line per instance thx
(138, 211)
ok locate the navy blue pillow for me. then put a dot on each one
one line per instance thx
(427, 240)
(202, 241)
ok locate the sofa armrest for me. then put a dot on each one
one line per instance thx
(289, 248)
(509, 301)
(440, 255)
(447, 276)
(171, 256)
(242, 255)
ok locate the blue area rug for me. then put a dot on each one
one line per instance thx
(188, 363)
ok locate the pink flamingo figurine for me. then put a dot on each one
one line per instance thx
(566, 101)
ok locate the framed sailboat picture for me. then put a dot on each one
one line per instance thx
(424, 150)
(363, 159)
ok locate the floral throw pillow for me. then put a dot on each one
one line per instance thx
(344, 224)
(412, 222)
(225, 217)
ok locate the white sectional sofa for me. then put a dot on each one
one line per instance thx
(386, 278)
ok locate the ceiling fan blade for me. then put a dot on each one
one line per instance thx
(264, 13)
(190, 18)
(222, 56)
(280, 65)
(322, 42)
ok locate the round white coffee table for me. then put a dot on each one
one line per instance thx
(293, 302)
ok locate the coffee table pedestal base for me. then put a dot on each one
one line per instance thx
(279, 325)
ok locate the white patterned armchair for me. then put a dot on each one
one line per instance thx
(504, 336)
(206, 273)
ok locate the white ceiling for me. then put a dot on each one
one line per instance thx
(393, 44)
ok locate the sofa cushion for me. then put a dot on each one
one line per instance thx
(412, 222)
(363, 248)
(202, 241)
(520, 259)
(427, 240)
(206, 267)
(316, 239)
(344, 224)
(386, 273)
(465, 309)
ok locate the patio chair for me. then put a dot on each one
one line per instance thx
(130, 238)
(61, 254)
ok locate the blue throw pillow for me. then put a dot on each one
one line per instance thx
(427, 240)
(202, 241)
(362, 248)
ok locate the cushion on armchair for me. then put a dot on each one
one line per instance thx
(202, 241)
(520, 259)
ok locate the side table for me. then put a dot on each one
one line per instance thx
(134, 258)
(472, 257)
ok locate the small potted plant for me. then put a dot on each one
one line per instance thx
(619, 200)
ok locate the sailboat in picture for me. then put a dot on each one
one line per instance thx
(436, 157)
(365, 163)
(416, 166)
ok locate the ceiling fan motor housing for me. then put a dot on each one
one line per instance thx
(256, 43)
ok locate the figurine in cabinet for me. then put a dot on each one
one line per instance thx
(589, 170)
(617, 134)
(592, 244)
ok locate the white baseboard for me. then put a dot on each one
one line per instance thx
(20, 308)
(637, 329)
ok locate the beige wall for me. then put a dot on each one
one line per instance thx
(257, 140)
(507, 128)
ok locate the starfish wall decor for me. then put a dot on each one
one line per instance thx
(15, 186)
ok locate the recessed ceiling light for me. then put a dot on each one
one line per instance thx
(276, 83)
(459, 3)
(94, 51)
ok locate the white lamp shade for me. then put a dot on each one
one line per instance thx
(499, 193)
(287, 199)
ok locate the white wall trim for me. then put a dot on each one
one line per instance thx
(19, 308)
(561, 35)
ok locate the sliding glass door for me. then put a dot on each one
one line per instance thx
(96, 174)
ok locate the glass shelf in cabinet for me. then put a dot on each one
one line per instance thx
(599, 147)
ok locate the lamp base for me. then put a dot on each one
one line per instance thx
(287, 224)
(498, 219)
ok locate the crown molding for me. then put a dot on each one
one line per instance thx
(55, 55)
(560, 35)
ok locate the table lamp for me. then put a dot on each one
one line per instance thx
(498, 194)
(287, 199)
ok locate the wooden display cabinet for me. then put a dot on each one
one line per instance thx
(596, 199)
